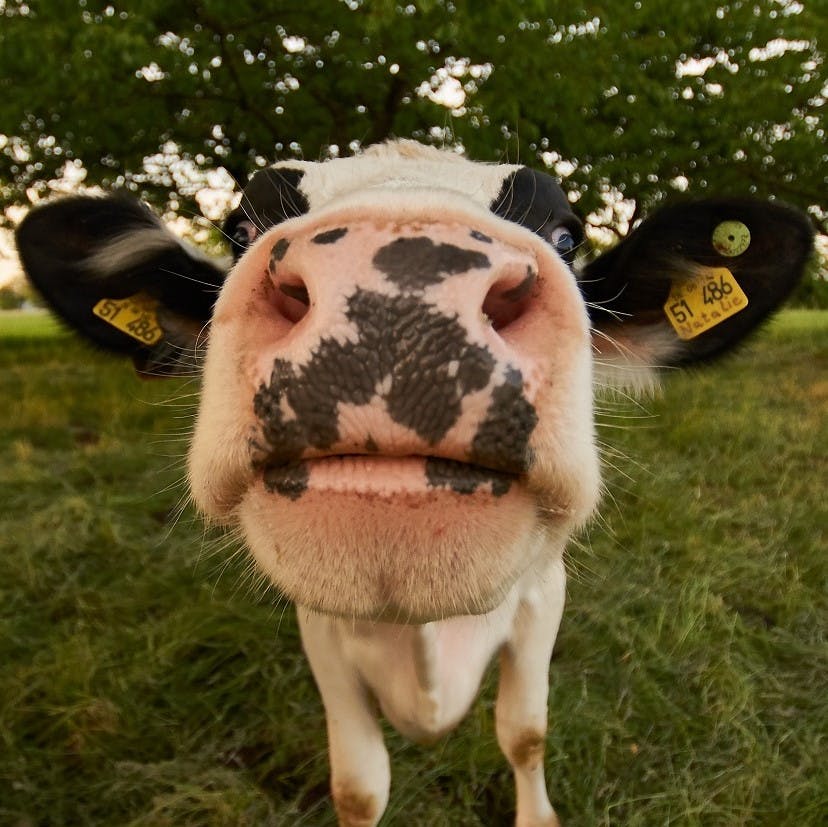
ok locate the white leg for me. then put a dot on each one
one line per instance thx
(360, 771)
(521, 709)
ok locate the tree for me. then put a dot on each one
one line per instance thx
(628, 99)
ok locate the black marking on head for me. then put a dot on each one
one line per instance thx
(370, 445)
(415, 263)
(278, 252)
(502, 440)
(330, 236)
(476, 234)
(463, 478)
(536, 201)
(271, 196)
(421, 358)
(290, 480)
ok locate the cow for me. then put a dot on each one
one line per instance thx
(399, 359)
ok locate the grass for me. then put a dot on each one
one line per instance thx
(143, 683)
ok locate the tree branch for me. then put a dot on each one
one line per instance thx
(384, 119)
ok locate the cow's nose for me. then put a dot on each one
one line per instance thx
(510, 293)
(453, 268)
(291, 298)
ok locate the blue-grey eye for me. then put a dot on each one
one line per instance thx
(564, 243)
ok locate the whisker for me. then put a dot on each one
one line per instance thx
(192, 279)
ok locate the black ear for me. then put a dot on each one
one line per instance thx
(694, 279)
(112, 271)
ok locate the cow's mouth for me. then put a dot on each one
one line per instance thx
(364, 474)
(403, 538)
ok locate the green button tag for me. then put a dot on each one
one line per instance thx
(731, 238)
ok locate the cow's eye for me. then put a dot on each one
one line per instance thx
(564, 243)
(242, 236)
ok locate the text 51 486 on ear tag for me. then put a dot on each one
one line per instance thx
(135, 315)
(701, 303)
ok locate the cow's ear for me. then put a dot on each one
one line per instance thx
(115, 273)
(691, 282)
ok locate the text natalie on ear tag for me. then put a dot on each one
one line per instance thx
(701, 303)
(135, 315)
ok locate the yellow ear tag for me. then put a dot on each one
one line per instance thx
(701, 303)
(731, 238)
(135, 315)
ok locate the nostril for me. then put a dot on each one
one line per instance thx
(509, 297)
(292, 299)
(295, 291)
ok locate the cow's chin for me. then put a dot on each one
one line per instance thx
(403, 556)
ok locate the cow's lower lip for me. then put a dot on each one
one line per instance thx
(403, 539)
(368, 473)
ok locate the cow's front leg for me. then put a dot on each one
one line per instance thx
(521, 709)
(360, 772)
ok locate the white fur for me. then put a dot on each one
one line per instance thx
(137, 246)
(621, 363)
(379, 167)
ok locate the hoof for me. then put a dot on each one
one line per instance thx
(355, 809)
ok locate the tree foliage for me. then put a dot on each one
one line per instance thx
(629, 98)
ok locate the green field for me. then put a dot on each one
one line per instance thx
(146, 679)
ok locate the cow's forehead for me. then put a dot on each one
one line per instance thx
(402, 165)
(401, 174)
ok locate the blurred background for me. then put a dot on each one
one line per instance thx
(629, 102)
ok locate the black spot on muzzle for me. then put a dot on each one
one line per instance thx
(502, 439)
(330, 236)
(463, 478)
(278, 252)
(416, 263)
